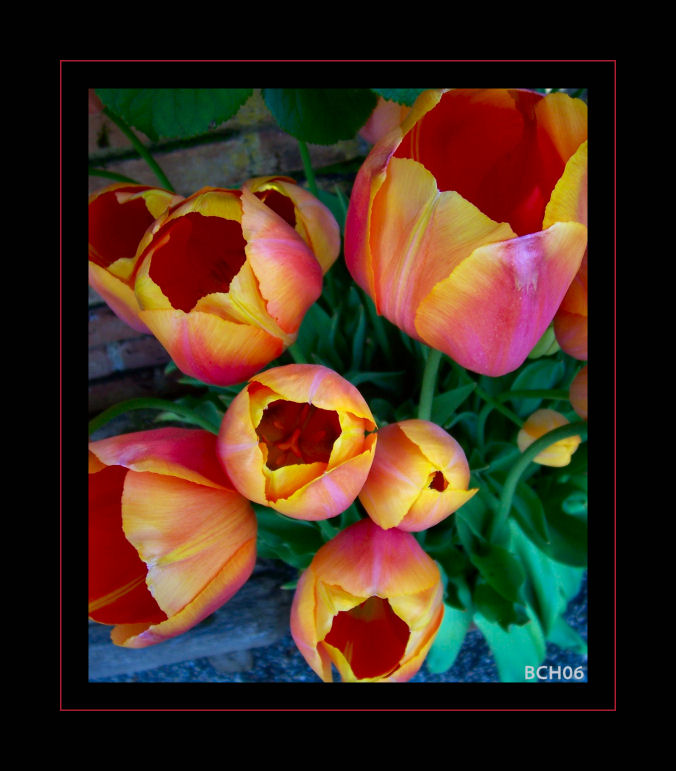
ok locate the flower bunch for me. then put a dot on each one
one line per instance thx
(366, 417)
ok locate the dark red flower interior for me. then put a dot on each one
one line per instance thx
(438, 482)
(371, 636)
(115, 229)
(201, 256)
(491, 152)
(297, 433)
(280, 204)
(117, 589)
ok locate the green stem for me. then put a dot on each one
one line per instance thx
(144, 403)
(296, 354)
(572, 429)
(139, 147)
(558, 394)
(307, 166)
(112, 175)
(429, 383)
(495, 404)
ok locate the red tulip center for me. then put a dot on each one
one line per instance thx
(115, 229)
(371, 636)
(201, 256)
(280, 204)
(438, 482)
(118, 593)
(297, 433)
(488, 147)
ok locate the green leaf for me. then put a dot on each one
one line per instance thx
(543, 373)
(321, 116)
(514, 649)
(500, 569)
(496, 608)
(529, 513)
(444, 405)
(174, 113)
(293, 541)
(449, 639)
(563, 635)
(400, 95)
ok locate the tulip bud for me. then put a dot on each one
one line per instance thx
(306, 214)
(119, 216)
(460, 226)
(419, 476)
(170, 540)
(295, 439)
(540, 423)
(224, 283)
(370, 603)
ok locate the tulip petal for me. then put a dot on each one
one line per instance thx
(494, 307)
(313, 221)
(184, 532)
(431, 234)
(366, 560)
(564, 120)
(117, 587)
(331, 493)
(568, 201)
(184, 453)
(211, 349)
(317, 385)
(118, 295)
(540, 423)
(578, 393)
(389, 491)
(289, 276)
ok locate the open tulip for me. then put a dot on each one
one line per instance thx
(311, 219)
(454, 227)
(170, 540)
(370, 603)
(119, 216)
(223, 283)
(540, 423)
(295, 439)
(419, 476)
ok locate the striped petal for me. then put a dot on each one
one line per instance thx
(494, 307)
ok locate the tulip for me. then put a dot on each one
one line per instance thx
(294, 440)
(419, 476)
(540, 423)
(170, 540)
(312, 220)
(578, 393)
(224, 282)
(453, 226)
(370, 603)
(119, 216)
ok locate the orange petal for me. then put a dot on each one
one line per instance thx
(540, 423)
(289, 276)
(211, 349)
(568, 201)
(491, 311)
(564, 120)
(184, 532)
(118, 295)
(313, 221)
(578, 393)
(184, 453)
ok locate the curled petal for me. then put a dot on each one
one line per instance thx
(118, 295)
(491, 311)
(312, 220)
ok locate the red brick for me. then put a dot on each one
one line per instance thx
(100, 364)
(144, 351)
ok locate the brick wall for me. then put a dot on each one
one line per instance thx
(122, 363)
